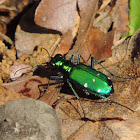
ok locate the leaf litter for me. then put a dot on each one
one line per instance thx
(94, 30)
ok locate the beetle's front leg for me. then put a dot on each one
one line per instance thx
(57, 78)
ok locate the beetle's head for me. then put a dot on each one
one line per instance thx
(57, 60)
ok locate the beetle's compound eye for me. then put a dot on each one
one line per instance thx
(58, 57)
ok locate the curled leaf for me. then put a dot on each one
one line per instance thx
(18, 69)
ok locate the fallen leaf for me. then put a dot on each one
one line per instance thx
(126, 130)
(29, 86)
(7, 95)
(100, 43)
(87, 12)
(60, 15)
(120, 17)
(17, 69)
(30, 36)
(65, 44)
(104, 5)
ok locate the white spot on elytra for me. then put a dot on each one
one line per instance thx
(93, 80)
(85, 85)
(98, 74)
(99, 90)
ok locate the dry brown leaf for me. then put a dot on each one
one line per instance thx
(65, 44)
(87, 11)
(104, 5)
(113, 15)
(126, 130)
(7, 95)
(60, 16)
(100, 44)
(28, 86)
(121, 20)
(30, 36)
(56, 15)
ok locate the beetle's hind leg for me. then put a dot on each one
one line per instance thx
(78, 61)
(92, 63)
(103, 97)
(74, 92)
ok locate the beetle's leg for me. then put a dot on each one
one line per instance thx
(70, 85)
(103, 66)
(57, 78)
(103, 97)
(78, 59)
(42, 92)
(112, 73)
(71, 59)
(92, 63)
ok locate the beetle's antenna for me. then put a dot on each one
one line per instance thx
(47, 52)
(112, 73)
(45, 62)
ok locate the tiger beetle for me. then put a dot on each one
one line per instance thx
(86, 77)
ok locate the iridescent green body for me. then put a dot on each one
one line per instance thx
(84, 76)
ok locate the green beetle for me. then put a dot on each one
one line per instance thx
(87, 78)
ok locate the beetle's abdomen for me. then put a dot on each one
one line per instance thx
(90, 79)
